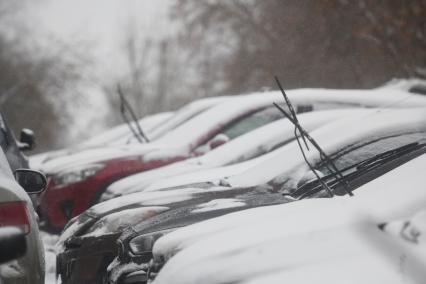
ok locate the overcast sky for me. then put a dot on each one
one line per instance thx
(100, 24)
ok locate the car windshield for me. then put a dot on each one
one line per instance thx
(361, 160)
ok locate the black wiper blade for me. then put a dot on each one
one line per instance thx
(360, 168)
(382, 157)
(124, 104)
(306, 137)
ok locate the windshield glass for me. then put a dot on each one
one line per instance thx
(359, 160)
(362, 151)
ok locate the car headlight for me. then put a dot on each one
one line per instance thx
(144, 243)
(76, 175)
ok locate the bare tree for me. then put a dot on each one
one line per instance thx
(37, 84)
(333, 43)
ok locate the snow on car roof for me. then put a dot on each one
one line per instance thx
(118, 135)
(249, 145)
(185, 133)
(265, 231)
(187, 112)
(115, 134)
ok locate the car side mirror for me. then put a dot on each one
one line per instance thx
(218, 140)
(32, 182)
(27, 140)
(12, 244)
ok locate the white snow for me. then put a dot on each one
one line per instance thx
(332, 136)
(294, 239)
(116, 222)
(119, 135)
(154, 125)
(217, 204)
(49, 242)
(245, 147)
(186, 136)
(288, 158)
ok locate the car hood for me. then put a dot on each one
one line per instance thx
(335, 248)
(397, 193)
(208, 204)
(80, 225)
(102, 154)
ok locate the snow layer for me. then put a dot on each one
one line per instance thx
(288, 158)
(291, 241)
(217, 204)
(332, 136)
(49, 242)
(119, 135)
(185, 137)
(118, 221)
(249, 145)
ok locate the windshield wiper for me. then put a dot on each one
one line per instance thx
(306, 137)
(124, 105)
(358, 169)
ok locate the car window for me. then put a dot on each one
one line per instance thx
(242, 126)
(251, 122)
(348, 156)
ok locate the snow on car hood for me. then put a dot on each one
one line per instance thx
(269, 233)
(118, 221)
(119, 135)
(98, 155)
(131, 201)
(215, 175)
(249, 145)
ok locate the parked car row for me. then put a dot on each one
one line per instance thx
(237, 179)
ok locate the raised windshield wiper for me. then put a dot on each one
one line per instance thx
(358, 169)
(300, 131)
(124, 105)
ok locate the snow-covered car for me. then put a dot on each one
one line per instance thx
(118, 135)
(376, 236)
(16, 210)
(140, 182)
(248, 146)
(155, 126)
(89, 241)
(281, 128)
(77, 181)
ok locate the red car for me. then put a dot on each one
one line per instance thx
(77, 181)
